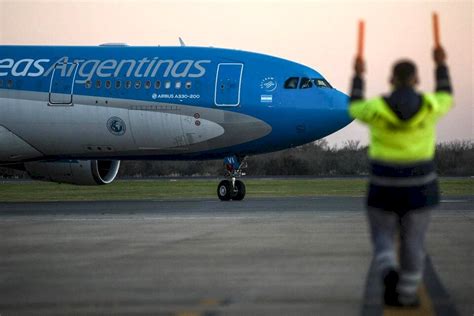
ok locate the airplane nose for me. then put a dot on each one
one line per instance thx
(326, 113)
(340, 105)
(339, 100)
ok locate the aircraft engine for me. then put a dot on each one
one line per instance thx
(80, 172)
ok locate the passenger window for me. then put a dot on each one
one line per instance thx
(157, 84)
(291, 83)
(98, 83)
(177, 85)
(1, 83)
(167, 84)
(148, 84)
(10, 83)
(188, 85)
(118, 84)
(108, 84)
(128, 84)
(305, 83)
(138, 84)
(88, 84)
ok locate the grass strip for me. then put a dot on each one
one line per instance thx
(185, 188)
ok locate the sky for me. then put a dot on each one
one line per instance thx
(319, 34)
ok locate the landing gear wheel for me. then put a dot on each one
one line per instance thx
(232, 189)
(239, 191)
(224, 190)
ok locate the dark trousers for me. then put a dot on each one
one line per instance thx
(411, 228)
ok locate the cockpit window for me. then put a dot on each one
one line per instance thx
(291, 83)
(321, 83)
(305, 83)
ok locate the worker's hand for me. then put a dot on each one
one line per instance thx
(359, 66)
(439, 56)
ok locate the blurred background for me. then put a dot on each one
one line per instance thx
(320, 34)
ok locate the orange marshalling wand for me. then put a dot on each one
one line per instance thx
(360, 40)
(436, 30)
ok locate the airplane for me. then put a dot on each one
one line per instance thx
(70, 114)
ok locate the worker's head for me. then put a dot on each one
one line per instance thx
(404, 74)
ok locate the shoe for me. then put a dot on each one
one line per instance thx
(390, 295)
(403, 301)
(412, 301)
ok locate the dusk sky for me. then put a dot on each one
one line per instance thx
(319, 34)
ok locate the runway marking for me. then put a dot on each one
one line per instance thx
(440, 298)
(42, 219)
(204, 303)
(138, 217)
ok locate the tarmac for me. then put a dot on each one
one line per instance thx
(260, 256)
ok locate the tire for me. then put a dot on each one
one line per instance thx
(240, 188)
(224, 190)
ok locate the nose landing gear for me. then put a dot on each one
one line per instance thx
(232, 189)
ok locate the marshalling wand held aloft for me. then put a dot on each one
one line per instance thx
(360, 39)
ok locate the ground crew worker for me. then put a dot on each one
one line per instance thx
(403, 185)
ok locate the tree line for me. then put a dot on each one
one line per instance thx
(313, 159)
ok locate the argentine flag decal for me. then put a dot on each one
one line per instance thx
(266, 98)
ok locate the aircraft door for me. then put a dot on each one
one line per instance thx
(61, 89)
(228, 83)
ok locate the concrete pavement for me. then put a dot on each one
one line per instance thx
(283, 256)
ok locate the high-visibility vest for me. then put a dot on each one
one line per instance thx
(397, 141)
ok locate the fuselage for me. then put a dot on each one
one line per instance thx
(120, 102)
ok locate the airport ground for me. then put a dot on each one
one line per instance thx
(266, 255)
(205, 187)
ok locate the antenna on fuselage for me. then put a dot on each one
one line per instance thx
(181, 41)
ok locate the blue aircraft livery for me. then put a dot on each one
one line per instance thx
(70, 114)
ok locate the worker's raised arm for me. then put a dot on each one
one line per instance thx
(443, 94)
(359, 108)
(357, 90)
(443, 83)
